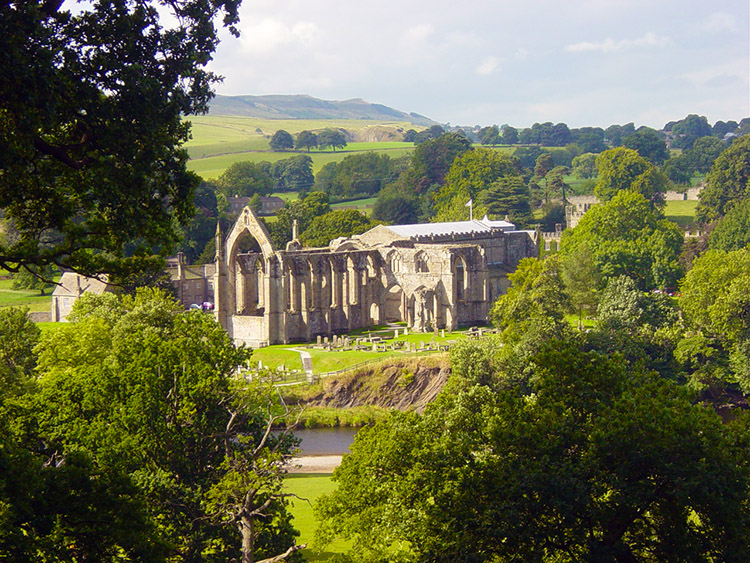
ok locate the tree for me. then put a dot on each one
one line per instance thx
(338, 223)
(703, 153)
(728, 182)
(582, 281)
(281, 141)
(509, 135)
(687, 130)
(393, 206)
(357, 175)
(470, 174)
(410, 135)
(429, 134)
(649, 144)
(33, 277)
(623, 169)
(543, 165)
(294, 174)
(584, 166)
(626, 236)
(91, 127)
(616, 133)
(306, 140)
(149, 393)
(589, 139)
(331, 138)
(431, 161)
(678, 169)
(533, 309)
(732, 232)
(245, 179)
(597, 461)
(508, 197)
(714, 300)
(303, 211)
(489, 135)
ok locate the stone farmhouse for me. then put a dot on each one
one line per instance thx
(430, 276)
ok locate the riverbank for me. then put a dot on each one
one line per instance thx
(315, 464)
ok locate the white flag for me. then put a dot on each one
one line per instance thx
(469, 203)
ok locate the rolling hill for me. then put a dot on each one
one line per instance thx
(306, 107)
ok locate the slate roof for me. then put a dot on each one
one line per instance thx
(454, 228)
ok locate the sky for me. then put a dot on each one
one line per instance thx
(484, 62)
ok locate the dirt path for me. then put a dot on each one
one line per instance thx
(315, 464)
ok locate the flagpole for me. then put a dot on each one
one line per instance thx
(470, 205)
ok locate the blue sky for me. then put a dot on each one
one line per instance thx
(483, 62)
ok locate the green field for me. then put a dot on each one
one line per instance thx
(212, 166)
(24, 297)
(323, 361)
(310, 487)
(681, 212)
(219, 141)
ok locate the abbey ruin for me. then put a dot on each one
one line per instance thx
(430, 276)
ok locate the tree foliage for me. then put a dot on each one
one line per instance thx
(331, 138)
(245, 179)
(623, 169)
(338, 223)
(715, 299)
(471, 174)
(281, 141)
(627, 236)
(732, 232)
(149, 395)
(597, 461)
(357, 175)
(91, 127)
(648, 144)
(306, 140)
(728, 182)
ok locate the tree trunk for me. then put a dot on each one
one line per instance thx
(248, 539)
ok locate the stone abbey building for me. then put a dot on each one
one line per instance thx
(434, 275)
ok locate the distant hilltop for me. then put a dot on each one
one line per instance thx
(302, 106)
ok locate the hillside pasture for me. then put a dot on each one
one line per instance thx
(212, 167)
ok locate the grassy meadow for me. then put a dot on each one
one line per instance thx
(681, 212)
(310, 487)
(220, 141)
(30, 298)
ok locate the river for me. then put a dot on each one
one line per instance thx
(325, 441)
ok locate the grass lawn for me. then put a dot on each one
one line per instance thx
(24, 297)
(681, 212)
(324, 361)
(310, 487)
(363, 205)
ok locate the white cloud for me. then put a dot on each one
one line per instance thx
(488, 66)
(609, 44)
(419, 32)
(721, 21)
(269, 34)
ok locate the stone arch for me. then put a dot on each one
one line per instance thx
(394, 261)
(420, 263)
(395, 308)
(248, 223)
(461, 278)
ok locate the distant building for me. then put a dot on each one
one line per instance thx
(269, 205)
(70, 287)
